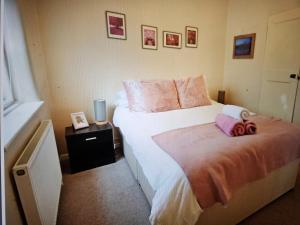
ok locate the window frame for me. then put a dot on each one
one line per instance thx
(7, 107)
(27, 100)
(2, 168)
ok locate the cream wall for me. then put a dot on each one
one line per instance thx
(83, 64)
(243, 77)
(14, 215)
(72, 58)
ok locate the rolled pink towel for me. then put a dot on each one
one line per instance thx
(250, 127)
(229, 125)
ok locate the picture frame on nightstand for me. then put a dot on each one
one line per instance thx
(78, 120)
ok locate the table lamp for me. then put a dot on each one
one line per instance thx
(100, 111)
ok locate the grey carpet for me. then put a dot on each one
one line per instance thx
(109, 195)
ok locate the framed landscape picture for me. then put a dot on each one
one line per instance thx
(243, 46)
(171, 39)
(149, 37)
(116, 25)
(191, 37)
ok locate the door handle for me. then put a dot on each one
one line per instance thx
(293, 76)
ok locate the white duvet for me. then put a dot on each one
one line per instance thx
(174, 202)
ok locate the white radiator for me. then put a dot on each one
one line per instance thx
(38, 177)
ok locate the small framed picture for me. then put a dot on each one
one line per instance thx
(116, 25)
(79, 121)
(191, 37)
(149, 37)
(171, 39)
(243, 46)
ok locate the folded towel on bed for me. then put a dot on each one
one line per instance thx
(236, 112)
(229, 125)
(250, 127)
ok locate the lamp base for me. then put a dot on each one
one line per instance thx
(101, 122)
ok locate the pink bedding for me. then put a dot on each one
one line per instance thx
(192, 92)
(160, 95)
(217, 165)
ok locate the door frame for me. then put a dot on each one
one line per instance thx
(2, 187)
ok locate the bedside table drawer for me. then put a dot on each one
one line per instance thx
(90, 147)
(91, 138)
(91, 156)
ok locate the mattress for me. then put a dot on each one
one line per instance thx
(165, 184)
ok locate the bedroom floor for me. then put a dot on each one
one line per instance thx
(109, 195)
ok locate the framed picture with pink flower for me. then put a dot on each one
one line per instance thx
(171, 39)
(149, 37)
(116, 25)
(191, 37)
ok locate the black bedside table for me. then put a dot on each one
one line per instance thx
(90, 147)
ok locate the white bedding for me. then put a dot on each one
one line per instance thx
(174, 202)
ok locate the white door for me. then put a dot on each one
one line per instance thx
(296, 114)
(281, 66)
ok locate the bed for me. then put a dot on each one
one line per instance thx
(164, 183)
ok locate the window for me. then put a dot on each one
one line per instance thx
(19, 96)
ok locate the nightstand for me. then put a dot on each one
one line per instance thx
(221, 96)
(90, 147)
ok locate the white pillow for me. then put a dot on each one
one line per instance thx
(121, 99)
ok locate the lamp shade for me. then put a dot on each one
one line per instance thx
(100, 109)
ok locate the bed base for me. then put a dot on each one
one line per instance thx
(244, 202)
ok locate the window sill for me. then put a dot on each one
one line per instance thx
(15, 120)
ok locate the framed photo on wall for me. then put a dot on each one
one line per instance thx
(149, 37)
(115, 25)
(172, 39)
(191, 37)
(243, 46)
(78, 120)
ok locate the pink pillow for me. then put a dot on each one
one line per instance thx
(160, 95)
(192, 92)
(135, 95)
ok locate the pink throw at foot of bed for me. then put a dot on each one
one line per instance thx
(229, 125)
(217, 165)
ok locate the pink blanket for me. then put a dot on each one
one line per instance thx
(217, 165)
(230, 126)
